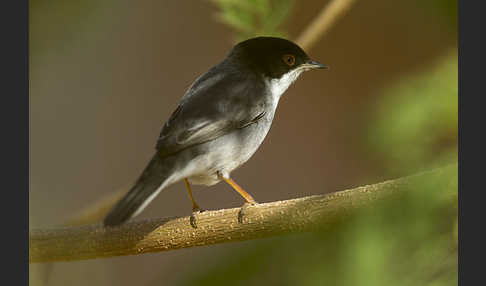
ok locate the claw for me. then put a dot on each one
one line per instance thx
(192, 218)
(243, 208)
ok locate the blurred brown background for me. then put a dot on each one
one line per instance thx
(106, 75)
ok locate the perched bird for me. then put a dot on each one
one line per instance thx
(219, 123)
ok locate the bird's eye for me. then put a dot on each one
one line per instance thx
(289, 60)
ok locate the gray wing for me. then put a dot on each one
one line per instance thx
(212, 107)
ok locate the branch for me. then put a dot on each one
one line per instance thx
(263, 220)
(323, 22)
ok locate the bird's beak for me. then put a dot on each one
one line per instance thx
(315, 65)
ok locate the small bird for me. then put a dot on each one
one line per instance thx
(219, 123)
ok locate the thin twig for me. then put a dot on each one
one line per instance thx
(263, 220)
(323, 22)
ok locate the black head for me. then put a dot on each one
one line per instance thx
(272, 57)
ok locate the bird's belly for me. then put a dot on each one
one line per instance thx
(226, 153)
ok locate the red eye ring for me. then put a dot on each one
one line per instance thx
(289, 60)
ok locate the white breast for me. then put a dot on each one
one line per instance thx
(279, 85)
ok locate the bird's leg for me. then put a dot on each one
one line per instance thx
(195, 207)
(248, 198)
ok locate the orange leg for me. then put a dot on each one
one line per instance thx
(249, 199)
(195, 207)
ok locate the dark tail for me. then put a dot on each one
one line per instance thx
(153, 179)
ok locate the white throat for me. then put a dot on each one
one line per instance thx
(279, 85)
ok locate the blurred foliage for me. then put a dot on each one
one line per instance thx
(416, 123)
(252, 18)
(409, 239)
(445, 10)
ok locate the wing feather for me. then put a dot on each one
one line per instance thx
(212, 107)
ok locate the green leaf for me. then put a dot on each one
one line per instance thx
(253, 18)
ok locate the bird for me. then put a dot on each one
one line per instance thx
(219, 123)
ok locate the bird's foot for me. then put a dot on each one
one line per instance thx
(195, 210)
(243, 208)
